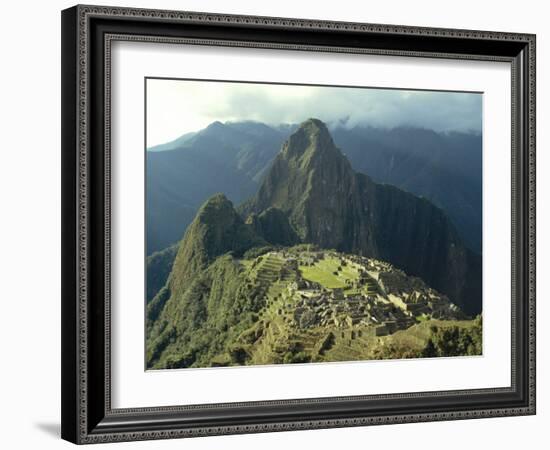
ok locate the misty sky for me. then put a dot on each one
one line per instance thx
(176, 107)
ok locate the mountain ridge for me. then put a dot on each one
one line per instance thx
(444, 168)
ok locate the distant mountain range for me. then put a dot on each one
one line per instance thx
(233, 158)
(310, 195)
(183, 174)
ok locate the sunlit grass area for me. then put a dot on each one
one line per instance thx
(326, 273)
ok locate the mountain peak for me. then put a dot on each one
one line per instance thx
(308, 181)
(216, 206)
(313, 124)
(215, 125)
(216, 229)
(311, 137)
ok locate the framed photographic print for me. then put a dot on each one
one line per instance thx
(279, 224)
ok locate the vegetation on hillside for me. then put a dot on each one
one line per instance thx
(262, 286)
(159, 266)
(238, 312)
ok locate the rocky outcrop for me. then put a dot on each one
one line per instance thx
(273, 226)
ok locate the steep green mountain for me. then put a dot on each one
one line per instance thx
(183, 174)
(216, 230)
(202, 286)
(444, 168)
(330, 205)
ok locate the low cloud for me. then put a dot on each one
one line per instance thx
(177, 106)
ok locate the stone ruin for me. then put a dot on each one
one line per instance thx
(393, 302)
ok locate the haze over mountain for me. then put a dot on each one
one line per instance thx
(233, 157)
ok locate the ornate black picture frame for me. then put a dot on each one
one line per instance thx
(87, 34)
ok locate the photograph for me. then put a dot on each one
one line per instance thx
(280, 220)
(294, 224)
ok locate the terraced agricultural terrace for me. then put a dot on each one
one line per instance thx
(329, 306)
